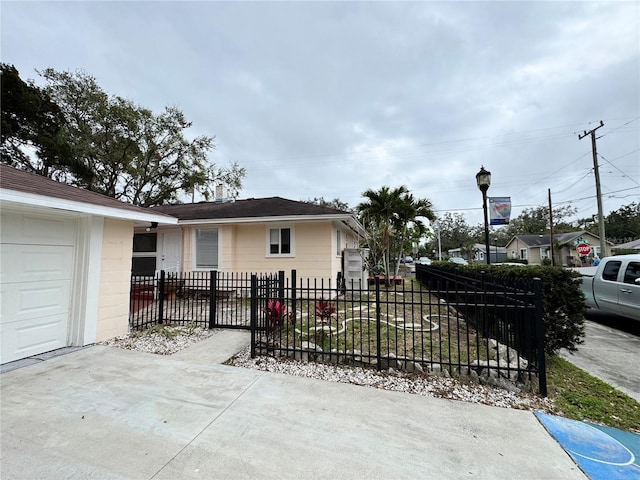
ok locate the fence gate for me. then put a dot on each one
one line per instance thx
(267, 297)
(206, 299)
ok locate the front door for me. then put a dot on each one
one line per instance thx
(170, 254)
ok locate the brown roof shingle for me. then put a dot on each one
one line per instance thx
(13, 179)
(252, 207)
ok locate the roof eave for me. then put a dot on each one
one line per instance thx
(268, 219)
(24, 199)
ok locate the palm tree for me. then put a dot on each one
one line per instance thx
(387, 214)
(410, 210)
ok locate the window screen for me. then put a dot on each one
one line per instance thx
(207, 249)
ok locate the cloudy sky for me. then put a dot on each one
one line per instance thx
(328, 99)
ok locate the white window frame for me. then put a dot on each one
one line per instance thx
(338, 242)
(523, 254)
(292, 241)
(196, 267)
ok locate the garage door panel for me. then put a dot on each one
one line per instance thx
(37, 259)
(31, 337)
(35, 229)
(35, 263)
(25, 301)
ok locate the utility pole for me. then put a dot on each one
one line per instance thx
(551, 228)
(603, 241)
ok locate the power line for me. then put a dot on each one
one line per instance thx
(453, 148)
(594, 196)
(617, 128)
(552, 174)
(623, 173)
(574, 183)
(589, 197)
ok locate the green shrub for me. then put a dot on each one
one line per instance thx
(563, 303)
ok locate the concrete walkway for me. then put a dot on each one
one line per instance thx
(103, 412)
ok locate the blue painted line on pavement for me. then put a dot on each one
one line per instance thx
(603, 453)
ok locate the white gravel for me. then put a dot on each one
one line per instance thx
(161, 340)
(167, 340)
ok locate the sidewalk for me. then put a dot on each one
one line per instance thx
(102, 412)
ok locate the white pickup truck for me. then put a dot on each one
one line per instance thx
(614, 285)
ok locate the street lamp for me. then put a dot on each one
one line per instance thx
(483, 178)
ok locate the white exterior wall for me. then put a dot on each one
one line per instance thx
(115, 279)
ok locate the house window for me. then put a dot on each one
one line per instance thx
(207, 249)
(280, 241)
(143, 261)
(338, 242)
(523, 254)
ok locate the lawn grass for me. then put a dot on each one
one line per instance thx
(414, 325)
(581, 396)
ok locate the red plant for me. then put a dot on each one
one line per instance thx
(324, 309)
(276, 312)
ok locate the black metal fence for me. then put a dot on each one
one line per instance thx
(208, 299)
(464, 324)
(476, 327)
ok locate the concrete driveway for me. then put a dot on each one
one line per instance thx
(610, 353)
(103, 412)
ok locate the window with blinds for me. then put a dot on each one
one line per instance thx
(280, 241)
(207, 249)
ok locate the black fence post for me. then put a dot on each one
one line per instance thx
(378, 332)
(281, 286)
(542, 364)
(254, 313)
(213, 302)
(161, 284)
(294, 279)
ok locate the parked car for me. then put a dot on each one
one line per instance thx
(407, 259)
(614, 285)
(458, 260)
(408, 264)
(424, 261)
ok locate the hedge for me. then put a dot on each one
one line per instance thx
(563, 301)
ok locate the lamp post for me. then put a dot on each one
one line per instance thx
(483, 179)
(495, 258)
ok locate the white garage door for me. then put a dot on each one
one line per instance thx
(36, 277)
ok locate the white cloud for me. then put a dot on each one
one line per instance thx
(331, 98)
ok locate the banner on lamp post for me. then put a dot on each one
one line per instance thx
(500, 210)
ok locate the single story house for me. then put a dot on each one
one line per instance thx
(496, 254)
(253, 235)
(632, 245)
(536, 248)
(65, 257)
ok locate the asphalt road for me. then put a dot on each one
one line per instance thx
(610, 352)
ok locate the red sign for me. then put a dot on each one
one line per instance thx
(583, 249)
